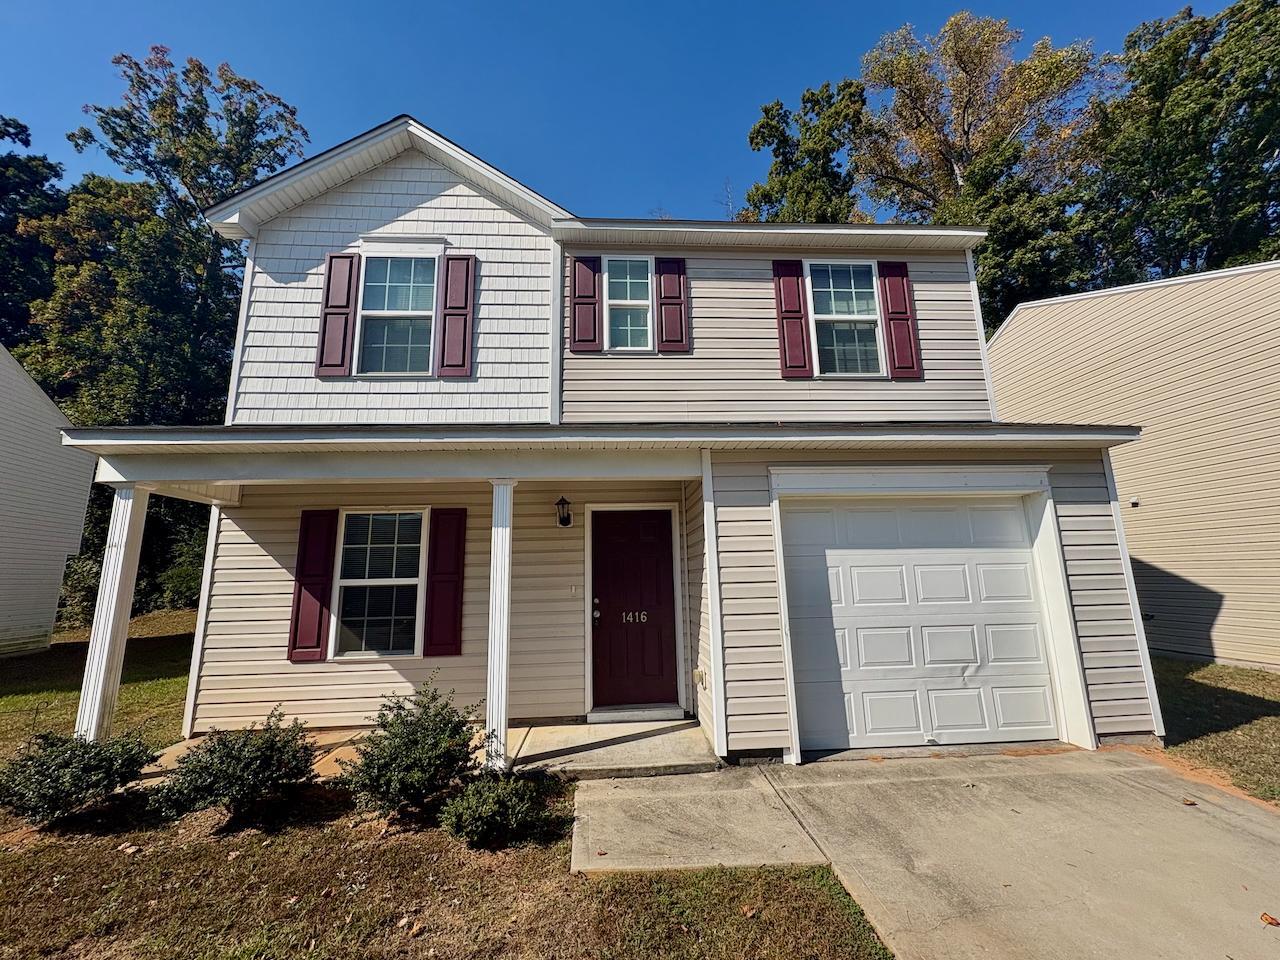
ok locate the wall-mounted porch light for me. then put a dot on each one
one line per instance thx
(563, 515)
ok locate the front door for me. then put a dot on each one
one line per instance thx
(633, 608)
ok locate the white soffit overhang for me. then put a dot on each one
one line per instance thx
(238, 217)
(178, 441)
(672, 234)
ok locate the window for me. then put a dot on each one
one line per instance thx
(845, 318)
(396, 307)
(628, 307)
(379, 575)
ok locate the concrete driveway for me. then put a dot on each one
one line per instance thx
(1070, 855)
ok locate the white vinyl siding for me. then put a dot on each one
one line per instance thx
(408, 197)
(245, 668)
(1196, 364)
(732, 372)
(755, 680)
(45, 488)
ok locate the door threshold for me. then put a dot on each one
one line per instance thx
(637, 713)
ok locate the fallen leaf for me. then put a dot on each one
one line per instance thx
(417, 928)
(128, 848)
(232, 855)
(1270, 921)
(1188, 802)
(404, 922)
(749, 911)
(601, 853)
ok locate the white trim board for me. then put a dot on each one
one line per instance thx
(899, 482)
(682, 644)
(711, 544)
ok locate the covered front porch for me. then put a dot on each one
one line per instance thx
(568, 603)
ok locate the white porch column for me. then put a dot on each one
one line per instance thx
(499, 622)
(111, 613)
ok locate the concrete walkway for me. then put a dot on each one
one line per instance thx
(1067, 856)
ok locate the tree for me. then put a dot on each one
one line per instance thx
(28, 188)
(948, 129)
(139, 325)
(1185, 146)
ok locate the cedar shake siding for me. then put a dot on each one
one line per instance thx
(755, 679)
(409, 196)
(733, 372)
(245, 668)
(1195, 363)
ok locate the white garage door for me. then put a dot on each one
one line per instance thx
(915, 622)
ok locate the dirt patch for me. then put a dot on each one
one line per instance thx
(1184, 768)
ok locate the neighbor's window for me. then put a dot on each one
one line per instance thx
(627, 284)
(844, 317)
(395, 314)
(378, 580)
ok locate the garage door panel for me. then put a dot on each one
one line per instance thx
(917, 622)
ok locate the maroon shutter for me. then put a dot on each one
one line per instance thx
(794, 350)
(585, 331)
(442, 607)
(673, 305)
(901, 335)
(457, 316)
(338, 315)
(313, 586)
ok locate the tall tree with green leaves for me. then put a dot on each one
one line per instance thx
(140, 323)
(952, 128)
(1184, 146)
(28, 188)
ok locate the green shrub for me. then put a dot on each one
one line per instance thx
(240, 770)
(418, 747)
(497, 810)
(56, 775)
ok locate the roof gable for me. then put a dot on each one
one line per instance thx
(238, 216)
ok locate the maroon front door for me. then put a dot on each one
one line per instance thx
(633, 608)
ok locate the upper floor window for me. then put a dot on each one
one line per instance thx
(379, 575)
(846, 320)
(628, 286)
(397, 304)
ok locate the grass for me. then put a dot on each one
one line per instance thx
(350, 886)
(1223, 718)
(40, 691)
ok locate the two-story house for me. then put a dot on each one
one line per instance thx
(592, 469)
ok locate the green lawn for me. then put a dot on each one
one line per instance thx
(40, 691)
(1223, 718)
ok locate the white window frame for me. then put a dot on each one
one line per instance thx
(606, 303)
(403, 251)
(419, 626)
(878, 319)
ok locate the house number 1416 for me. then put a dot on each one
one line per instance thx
(635, 616)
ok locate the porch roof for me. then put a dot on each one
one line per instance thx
(387, 438)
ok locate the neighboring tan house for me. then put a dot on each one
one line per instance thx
(46, 487)
(1196, 362)
(565, 463)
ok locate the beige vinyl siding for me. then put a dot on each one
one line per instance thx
(407, 196)
(44, 487)
(1196, 364)
(755, 682)
(245, 670)
(697, 605)
(732, 372)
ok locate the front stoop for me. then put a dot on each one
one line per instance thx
(592, 751)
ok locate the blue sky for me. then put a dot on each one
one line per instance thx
(608, 109)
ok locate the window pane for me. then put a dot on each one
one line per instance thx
(355, 563)
(628, 279)
(629, 327)
(381, 545)
(395, 345)
(377, 619)
(842, 290)
(846, 346)
(357, 529)
(399, 283)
